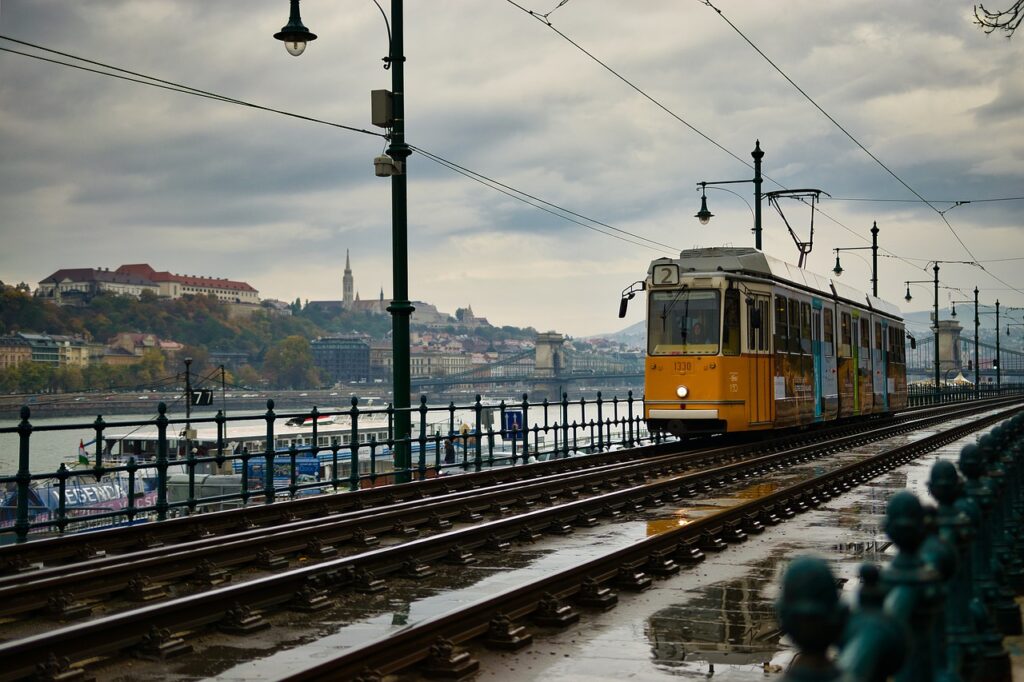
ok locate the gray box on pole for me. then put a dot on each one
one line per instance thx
(382, 111)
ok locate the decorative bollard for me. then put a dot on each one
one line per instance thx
(811, 615)
(953, 528)
(987, 567)
(987, 660)
(926, 615)
(912, 586)
(873, 646)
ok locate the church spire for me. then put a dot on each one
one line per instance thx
(347, 284)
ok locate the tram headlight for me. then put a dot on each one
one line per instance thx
(682, 391)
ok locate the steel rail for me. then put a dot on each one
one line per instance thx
(110, 634)
(204, 561)
(78, 546)
(412, 645)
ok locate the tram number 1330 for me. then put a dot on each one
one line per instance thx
(683, 366)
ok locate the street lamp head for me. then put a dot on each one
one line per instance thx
(953, 312)
(704, 215)
(838, 269)
(908, 298)
(294, 34)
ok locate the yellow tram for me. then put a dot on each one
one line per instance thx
(740, 341)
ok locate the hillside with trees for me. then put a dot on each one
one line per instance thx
(277, 344)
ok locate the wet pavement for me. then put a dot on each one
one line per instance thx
(712, 620)
(716, 620)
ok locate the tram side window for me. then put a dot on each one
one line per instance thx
(731, 332)
(845, 330)
(878, 336)
(829, 335)
(757, 337)
(781, 325)
(764, 305)
(805, 328)
(865, 333)
(794, 326)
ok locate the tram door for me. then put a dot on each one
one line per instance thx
(760, 377)
(819, 392)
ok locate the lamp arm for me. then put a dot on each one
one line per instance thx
(387, 60)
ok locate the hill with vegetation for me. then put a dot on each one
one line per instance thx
(276, 344)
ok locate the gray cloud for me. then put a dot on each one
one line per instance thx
(100, 172)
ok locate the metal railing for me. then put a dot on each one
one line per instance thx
(920, 396)
(940, 609)
(172, 480)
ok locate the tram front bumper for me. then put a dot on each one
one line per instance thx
(683, 414)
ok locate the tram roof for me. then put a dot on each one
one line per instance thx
(753, 262)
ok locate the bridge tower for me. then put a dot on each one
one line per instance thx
(950, 359)
(548, 365)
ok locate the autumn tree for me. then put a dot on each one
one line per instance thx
(289, 364)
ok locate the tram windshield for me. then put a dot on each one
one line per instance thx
(684, 322)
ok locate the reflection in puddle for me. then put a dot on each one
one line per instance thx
(730, 623)
(680, 517)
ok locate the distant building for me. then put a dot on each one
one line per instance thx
(381, 361)
(71, 286)
(350, 300)
(466, 318)
(72, 351)
(175, 286)
(230, 359)
(347, 285)
(341, 358)
(276, 307)
(14, 350)
(44, 348)
(137, 344)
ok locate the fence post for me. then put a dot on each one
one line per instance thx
(600, 423)
(478, 414)
(99, 425)
(62, 500)
(629, 403)
(268, 478)
(421, 461)
(565, 424)
(526, 428)
(353, 446)
(24, 476)
(161, 462)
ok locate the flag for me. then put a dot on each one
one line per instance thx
(83, 456)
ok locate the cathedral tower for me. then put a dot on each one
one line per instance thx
(346, 284)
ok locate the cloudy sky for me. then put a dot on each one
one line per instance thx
(98, 172)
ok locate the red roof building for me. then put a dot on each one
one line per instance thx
(175, 286)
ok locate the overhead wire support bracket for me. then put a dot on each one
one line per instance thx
(801, 195)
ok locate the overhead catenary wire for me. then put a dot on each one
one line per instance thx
(941, 213)
(836, 123)
(143, 79)
(543, 18)
(164, 84)
(498, 188)
(523, 196)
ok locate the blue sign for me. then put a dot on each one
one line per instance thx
(513, 425)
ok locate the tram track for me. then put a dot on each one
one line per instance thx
(309, 587)
(78, 547)
(71, 591)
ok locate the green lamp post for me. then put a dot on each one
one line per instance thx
(295, 36)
